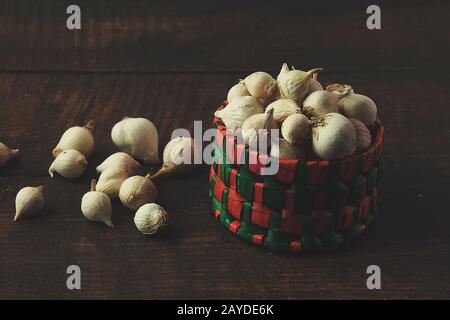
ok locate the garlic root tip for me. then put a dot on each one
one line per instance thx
(15, 153)
(90, 125)
(56, 151)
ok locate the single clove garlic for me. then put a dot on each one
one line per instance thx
(354, 105)
(120, 160)
(282, 109)
(296, 129)
(178, 156)
(29, 201)
(238, 90)
(138, 137)
(77, 138)
(260, 84)
(319, 103)
(7, 154)
(295, 84)
(256, 130)
(137, 191)
(111, 180)
(238, 110)
(363, 137)
(96, 206)
(69, 164)
(150, 218)
(283, 150)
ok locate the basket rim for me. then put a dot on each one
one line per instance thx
(379, 136)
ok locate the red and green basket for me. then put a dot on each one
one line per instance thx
(306, 206)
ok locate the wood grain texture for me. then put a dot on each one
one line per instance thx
(226, 36)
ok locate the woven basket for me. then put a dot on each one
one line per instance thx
(306, 206)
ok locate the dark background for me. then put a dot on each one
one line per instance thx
(174, 63)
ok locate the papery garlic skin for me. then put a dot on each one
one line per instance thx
(119, 160)
(110, 182)
(258, 127)
(29, 201)
(96, 206)
(239, 110)
(138, 137)
(7, 154)
(296, 129)
(333, 136)
(319, 103)
(150, 218)
(238, 90)
(77, 138)
(69, 164)
(314, 84)
(363, 136)
(137, 191)
(260, 84)
(282, 109)
(295, 84)
(354, 105)
(283, 150)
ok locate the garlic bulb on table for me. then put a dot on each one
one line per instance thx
(283, 150)
(238, 90)
(150, 218)
(296, 129)
(29, 201)
(363, 137)
(136, 191)
(260, 84)
(111, 180)
(77, 138)
(282, 109)
(178, 156)
(319, 103)
(238, 110)
(69, 164)
(120, 160)
(333, 136)
(137, 137)
(7, 154)
(295, 84)
(256, 130)
(96, 206)
(354, 105)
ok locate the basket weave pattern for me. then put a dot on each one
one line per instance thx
(307, 205)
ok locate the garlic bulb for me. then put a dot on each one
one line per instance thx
(238, 90)
(120, 160)
(29, 201)
(96, 206)
(69, 164)
(282, 109)
(137, 137)
(296, 129)
(178, 156)
(111, 180)
(314, 85)
(333, 136)
(238, 110)
(260, 84)
(295, 84)
(283, 150)
(256, 130)
(354, 105)
(150, 218)
(363, 137)
(319, 103)
(7, 154)
(137, 191)
(77, 138)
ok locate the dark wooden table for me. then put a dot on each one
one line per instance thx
(174, 64)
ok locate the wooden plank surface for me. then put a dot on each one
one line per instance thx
(180, 36)
(174, 64)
